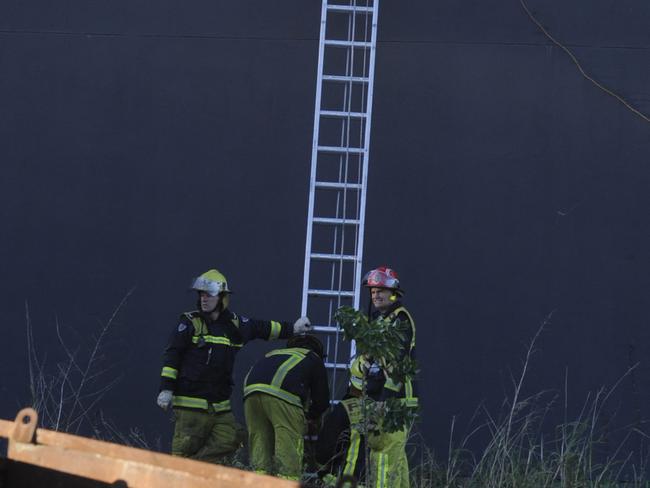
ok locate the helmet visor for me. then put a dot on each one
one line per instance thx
(211, 287)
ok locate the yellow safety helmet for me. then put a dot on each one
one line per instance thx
(212, 282)
(358, 370)
(362, 368)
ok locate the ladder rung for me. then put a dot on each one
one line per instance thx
(340, 43)
(333, 257)
(334, 185)
(330, 293)
(341, 149)
(336, 113)
(331, 221)
(348, 8)
(346, 79)
(330, 329)
(337, 365)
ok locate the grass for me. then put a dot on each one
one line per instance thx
(518, 455)
(67, 393)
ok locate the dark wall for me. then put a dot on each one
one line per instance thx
(143, 142)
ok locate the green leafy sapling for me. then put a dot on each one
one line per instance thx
(381, 340)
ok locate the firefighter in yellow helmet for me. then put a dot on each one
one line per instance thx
(388, 460)
(196, 378)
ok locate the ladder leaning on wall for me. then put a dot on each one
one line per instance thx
(339, 172)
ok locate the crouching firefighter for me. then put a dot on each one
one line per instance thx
(277, 390)
(196, 378)
(342, 448)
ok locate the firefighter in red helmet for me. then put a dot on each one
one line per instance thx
(388, 461)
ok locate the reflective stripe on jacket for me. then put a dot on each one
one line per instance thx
(199, 358)
(293, 375)
(406, 390)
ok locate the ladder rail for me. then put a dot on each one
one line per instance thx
(366, 160)
(344, 162)
(314, 159)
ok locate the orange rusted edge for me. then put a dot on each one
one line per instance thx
(109, 462)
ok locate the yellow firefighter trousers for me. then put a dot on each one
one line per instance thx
(389, 466)
(275, 435)
(206, 436)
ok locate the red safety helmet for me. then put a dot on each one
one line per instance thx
(383, 277)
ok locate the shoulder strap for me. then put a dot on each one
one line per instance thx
(230, 317)
(235, 320)
(394, 315)
(200, 327)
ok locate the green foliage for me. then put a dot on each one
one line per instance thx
(397, 415)
(375, 338)
(382, 340)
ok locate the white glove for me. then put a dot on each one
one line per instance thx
(301, 326)
(164, 399)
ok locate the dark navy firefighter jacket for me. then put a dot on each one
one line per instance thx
(200, 356)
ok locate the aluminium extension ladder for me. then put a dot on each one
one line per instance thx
(339, 172)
